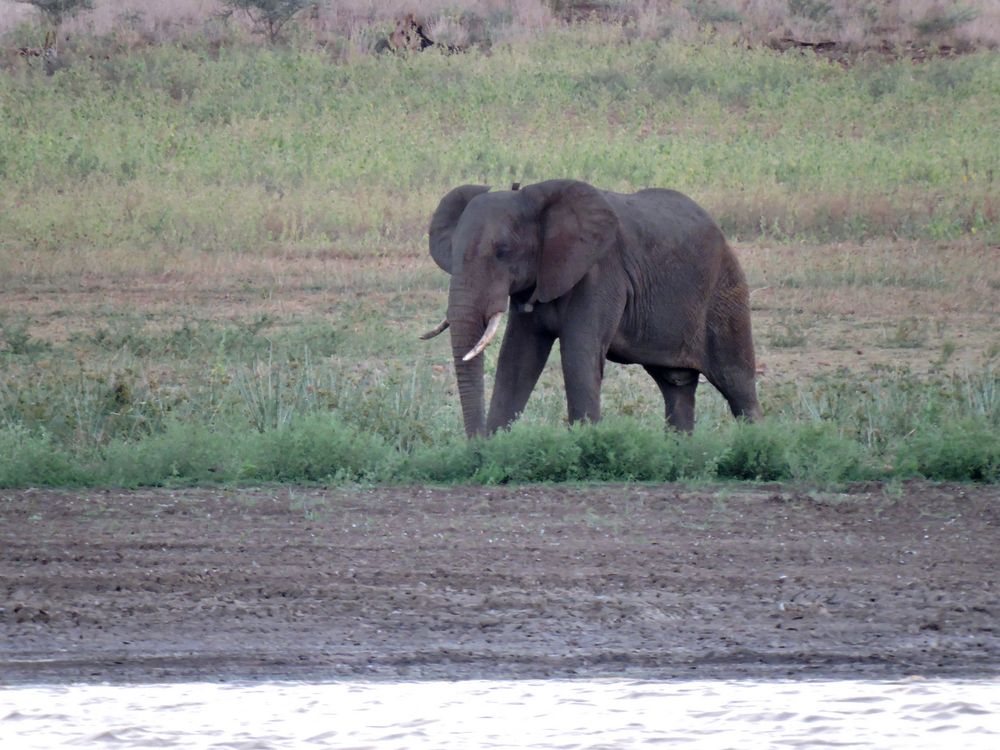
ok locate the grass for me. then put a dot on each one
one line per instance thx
(257, 411)
(261, 150)
(213, 262)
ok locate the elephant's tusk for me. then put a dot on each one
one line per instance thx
(491, 330)
(440, 328)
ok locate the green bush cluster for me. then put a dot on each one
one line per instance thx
(325, 449)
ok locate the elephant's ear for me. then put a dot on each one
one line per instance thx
(443, 222)
(579, 227)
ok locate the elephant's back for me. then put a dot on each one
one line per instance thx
(669, 213)
(666, 225)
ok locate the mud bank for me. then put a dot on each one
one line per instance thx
(660, 582)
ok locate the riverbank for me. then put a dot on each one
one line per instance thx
(652, 581)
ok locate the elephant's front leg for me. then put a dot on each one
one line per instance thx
(522, 357)
(583, 373)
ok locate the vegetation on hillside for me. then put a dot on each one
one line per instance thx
(251, 148)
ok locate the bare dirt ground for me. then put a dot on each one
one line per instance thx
(644, 581)
(816, 309)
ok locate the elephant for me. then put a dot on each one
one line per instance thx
(644, 278)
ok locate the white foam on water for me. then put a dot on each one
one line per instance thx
(547, 714)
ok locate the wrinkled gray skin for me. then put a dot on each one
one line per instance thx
(645, 278)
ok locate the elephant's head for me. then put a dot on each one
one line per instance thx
(538, 241)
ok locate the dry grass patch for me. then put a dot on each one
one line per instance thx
(837, 25)
(816, 308)
(925, 307)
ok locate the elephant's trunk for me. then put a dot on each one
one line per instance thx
(467, 325)
(470, 391)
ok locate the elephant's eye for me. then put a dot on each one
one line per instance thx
(502, 250)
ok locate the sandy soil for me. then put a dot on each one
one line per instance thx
(643, 581)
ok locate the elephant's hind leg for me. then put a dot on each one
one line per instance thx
(746, 406)
(737, 385)
(731, 365)
(678, 387)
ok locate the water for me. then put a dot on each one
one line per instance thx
(516, 714)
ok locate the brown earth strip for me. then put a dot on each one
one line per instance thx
(657, 582)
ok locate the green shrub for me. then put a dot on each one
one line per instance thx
(968, 450)
(318, 448)
(697, 456)
(450, 462)
(819, 453)
(184, 453)
(773, 450)
(621, 449)
(529, 453)
(32, 460)
(756, 451)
